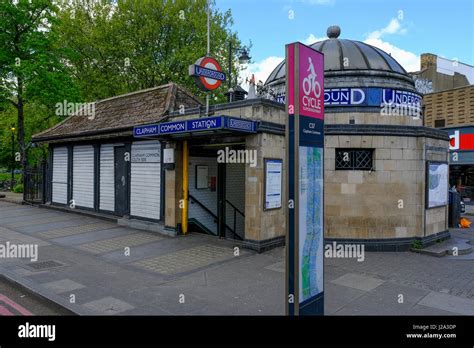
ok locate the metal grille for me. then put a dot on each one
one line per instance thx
(44, 265)
(34, 184)
(354, 159)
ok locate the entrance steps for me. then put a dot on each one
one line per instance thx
(451, 246)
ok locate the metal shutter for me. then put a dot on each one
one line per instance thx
(83, 176)
(145, 188)
(107, 177)
(60, 175)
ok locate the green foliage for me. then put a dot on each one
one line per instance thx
(31, 64)
(18, 188)
(121, 46)
(33, 76)
(8, 176)
(416, 244)
(82, 51)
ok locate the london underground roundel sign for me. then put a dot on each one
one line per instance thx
(207, 73)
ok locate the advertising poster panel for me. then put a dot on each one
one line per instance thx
(437, 184)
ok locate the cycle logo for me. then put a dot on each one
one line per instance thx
(311, 97)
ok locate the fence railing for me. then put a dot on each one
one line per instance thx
(34, 184)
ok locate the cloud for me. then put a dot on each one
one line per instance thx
(409, 60)
(394, 27)
(261, 70)
(311, 39)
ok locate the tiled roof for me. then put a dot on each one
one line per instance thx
(125, 111)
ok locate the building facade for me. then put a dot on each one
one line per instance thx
(438, 74)
(453, 111)
(449, 108)
(137, 155)
(376, 150)
(128, 161)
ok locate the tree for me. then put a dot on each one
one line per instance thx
(121, 46)
(31, 66)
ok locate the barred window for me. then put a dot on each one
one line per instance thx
(439, 123)
(354, 159)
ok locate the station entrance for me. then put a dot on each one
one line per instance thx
(216, 199)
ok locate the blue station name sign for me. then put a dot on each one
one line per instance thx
(196, 125)
(366, 96)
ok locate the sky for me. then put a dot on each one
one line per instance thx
(404, 28)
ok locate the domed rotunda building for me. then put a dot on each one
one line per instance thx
(376, 150)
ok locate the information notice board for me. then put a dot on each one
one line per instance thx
(273, 183)
(305, 153)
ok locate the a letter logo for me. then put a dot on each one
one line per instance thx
(454, 141)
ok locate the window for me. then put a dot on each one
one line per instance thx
(439, 123)
(354, 159)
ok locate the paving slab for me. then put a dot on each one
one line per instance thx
(187, 259)
(34, 219)
(392, 291)
(448, 303)
(63, 285)
(88, 237)
(279, 266)
(116, 243)
(108, 306)
(7, 234)
(50, 226)
(337, 296)
(250, 284)
(358, 281)
(69, 231)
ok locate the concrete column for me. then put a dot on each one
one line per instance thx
(263, 225)
(173, 188)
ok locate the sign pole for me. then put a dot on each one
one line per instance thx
(208, 47)
(305, 179)
(184, 216)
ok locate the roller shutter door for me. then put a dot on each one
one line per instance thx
(107, 189)
(83, 176)
(59, 181)
(145, 188)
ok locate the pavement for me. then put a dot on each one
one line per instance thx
(92, 266)
(11, 197)
(14, 300)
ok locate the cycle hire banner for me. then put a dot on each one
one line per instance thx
(305, 154)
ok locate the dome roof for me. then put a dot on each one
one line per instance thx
(347, 55)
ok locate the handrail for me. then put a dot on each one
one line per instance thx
(233, 206)
(215, 216)
(203, 206)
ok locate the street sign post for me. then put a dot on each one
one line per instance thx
(305, 156)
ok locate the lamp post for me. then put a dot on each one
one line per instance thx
(243, 58)
(13, 157)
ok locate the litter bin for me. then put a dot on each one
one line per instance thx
(454, 213)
